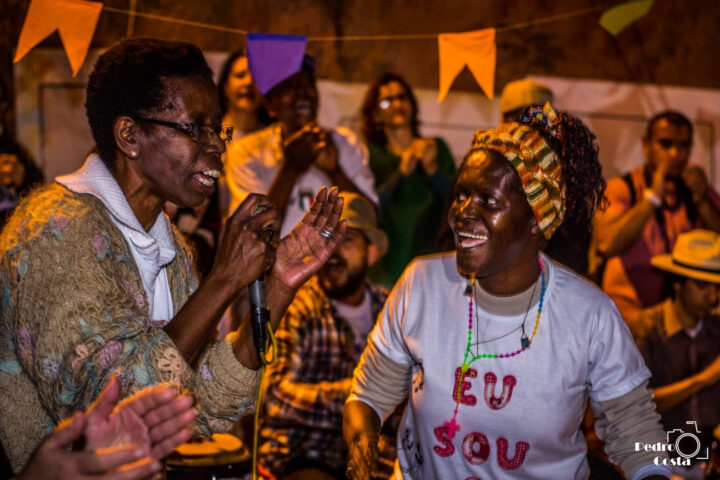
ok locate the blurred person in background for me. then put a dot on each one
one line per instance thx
(647, 209)
(18, 172)
(295, 156)
(413, 174)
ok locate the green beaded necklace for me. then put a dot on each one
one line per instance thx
(525, 343)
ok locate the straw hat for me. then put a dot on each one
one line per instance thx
(524, 92)
(360, 214)
(696, 255)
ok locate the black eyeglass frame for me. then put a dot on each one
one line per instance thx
(192, 130)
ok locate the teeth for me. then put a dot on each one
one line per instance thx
(472, 235)
(208, 182)
(211, 173)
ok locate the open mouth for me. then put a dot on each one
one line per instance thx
(207, 177)
(467, 240)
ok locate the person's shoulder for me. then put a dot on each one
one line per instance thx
(256, 140)
(309, 302)
(347, 136)
(575, 287)
(432, 268)
(51, 210)
(649, 320)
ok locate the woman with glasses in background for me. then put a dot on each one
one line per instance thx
(413, 174)
(95, 280)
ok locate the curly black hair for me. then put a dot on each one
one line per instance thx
(129, 79)
(577, 149)
(373, 132)
(673, 117)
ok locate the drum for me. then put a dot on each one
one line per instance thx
(223, 457)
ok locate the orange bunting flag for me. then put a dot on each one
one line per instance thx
(475, 49)
(75, 19)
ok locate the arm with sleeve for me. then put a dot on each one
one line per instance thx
(620, 399)
(72, 327)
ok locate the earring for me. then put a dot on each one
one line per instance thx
(133, 154)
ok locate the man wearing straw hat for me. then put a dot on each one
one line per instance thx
(319, 341)
(680, 337)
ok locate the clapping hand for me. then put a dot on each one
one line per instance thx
(121, 443)
(303, 251)
(156, 418)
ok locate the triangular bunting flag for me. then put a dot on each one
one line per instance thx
(75, 19)
(616, 19)
(273, 58)
(475, 49)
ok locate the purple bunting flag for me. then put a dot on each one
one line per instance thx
(273, 58)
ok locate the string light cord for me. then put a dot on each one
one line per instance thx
(258, 400)
(361, 38)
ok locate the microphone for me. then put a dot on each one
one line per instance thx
(259, 313)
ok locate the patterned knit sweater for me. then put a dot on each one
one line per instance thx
(73, 310)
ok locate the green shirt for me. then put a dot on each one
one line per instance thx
(411, 208)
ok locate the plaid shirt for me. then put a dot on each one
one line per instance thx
(307, 385)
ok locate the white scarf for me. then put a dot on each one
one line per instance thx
(152, 250)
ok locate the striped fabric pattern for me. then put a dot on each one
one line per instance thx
(537, 165)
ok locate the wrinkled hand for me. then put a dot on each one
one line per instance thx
(53, 459)
(156, 419)
(12, 170)
(247, 249)
(696, 180)
(363, 458)
(303, 251)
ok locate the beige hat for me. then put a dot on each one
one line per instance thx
(696, 255)
(521, 93)
(360, 214)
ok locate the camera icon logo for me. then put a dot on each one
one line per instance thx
(691, 442)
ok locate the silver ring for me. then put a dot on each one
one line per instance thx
(326, 233)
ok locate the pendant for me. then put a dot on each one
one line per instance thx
(524, 342)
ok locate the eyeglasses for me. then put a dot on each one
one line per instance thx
(200, 134)
(386, 102)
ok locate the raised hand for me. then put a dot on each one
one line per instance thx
(696, 180)
(247, 249)
(301, 148)
(303, 251)
(156, 419)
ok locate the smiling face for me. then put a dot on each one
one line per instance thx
(394, 107)
(496, 234)
(345, 271)
(294, 102)
(171, 165)
(241, 93)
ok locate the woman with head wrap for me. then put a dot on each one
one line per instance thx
(497, 347)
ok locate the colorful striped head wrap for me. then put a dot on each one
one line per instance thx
(536, 163)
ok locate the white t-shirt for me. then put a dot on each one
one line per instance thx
(519, 417)
(359, 317)
(254, 161)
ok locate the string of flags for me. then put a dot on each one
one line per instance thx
(272, 58)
